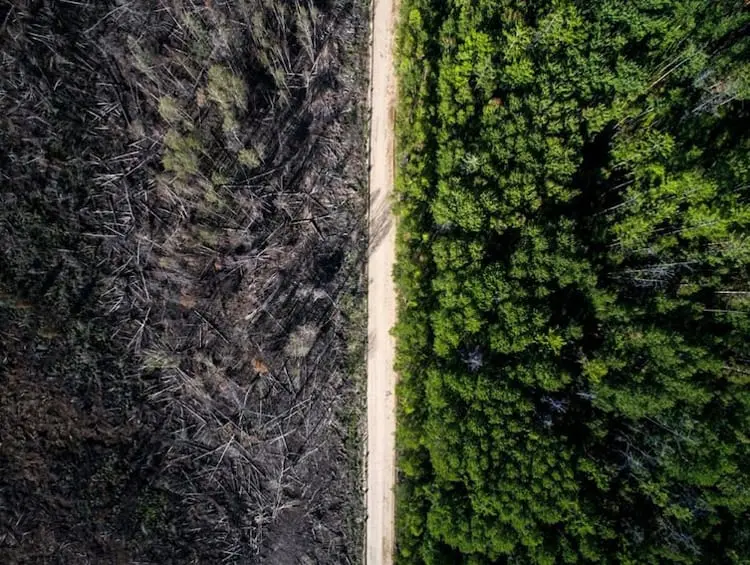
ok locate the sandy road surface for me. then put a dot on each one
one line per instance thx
(381, 310)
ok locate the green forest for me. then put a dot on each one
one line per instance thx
(574, 310)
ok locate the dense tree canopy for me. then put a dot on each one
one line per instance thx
(573, 269)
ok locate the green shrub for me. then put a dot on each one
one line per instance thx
(228, 92)
(181, 154)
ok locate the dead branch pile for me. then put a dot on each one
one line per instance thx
(181, 214)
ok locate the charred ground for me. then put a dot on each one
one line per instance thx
(181, 284)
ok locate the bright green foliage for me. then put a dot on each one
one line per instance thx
(574, 319)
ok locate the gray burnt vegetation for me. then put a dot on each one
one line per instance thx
(182, 202)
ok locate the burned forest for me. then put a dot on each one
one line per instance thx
(182, 289)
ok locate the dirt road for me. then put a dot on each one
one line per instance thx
(381, 378)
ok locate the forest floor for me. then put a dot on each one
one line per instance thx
(182, 281)
(381, 378)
